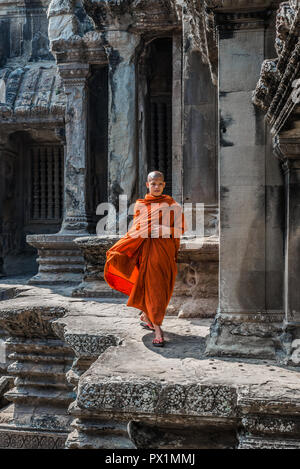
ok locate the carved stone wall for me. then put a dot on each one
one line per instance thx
(24, 31)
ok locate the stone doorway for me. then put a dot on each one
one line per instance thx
(97, 160)
(159, 115)
(155, 110)
(32, 198)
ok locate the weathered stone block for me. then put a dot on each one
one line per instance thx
(37, 362)
(60, 261)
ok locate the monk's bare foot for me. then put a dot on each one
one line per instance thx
(158, 332)
(144, 317)
(159, 337)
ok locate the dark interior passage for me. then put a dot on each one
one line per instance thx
(97, 174)
(32, 197)
(159, 122)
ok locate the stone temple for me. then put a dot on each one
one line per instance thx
(94, 94)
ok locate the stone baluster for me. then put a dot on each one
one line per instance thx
(56, 184)
(49, 154)
(36, 186)
(43, 184)
(75, 83)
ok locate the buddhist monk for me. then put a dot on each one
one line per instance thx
(143, 263)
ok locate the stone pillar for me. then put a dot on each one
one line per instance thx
(122, 139)
(177, 157)
(199, 145)
(7, 156)
(1, 212)
(75, 84)
(60, 261)
(245, 324)
(142, 92)
(290, 151)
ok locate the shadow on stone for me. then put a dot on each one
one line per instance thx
(178, 346)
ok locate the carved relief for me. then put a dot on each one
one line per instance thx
(31, 91)
(22, 440)
(196, 288)
(274, 88)
(284, 20)
(267, 84)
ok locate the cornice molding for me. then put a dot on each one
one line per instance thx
(135, 15)
(87, 49)
(240, 5)
(74, 74)
(287, 150)
(241, 20)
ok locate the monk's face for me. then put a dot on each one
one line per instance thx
(156, 186)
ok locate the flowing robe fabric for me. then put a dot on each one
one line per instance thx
(145, 267)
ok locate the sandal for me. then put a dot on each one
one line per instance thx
(145, 322)
(158, 342)
(147, 325)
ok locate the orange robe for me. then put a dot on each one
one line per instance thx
(143, 267)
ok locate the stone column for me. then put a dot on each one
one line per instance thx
(6, 191)
(177, 157)
(122, 139)
(290, 151)
(246, 323)
(60, 261)
(1, 212)
(142, 92)
(75, 84)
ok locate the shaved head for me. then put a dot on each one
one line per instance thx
(155, 175)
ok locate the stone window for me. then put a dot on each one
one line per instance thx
(46, 163)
